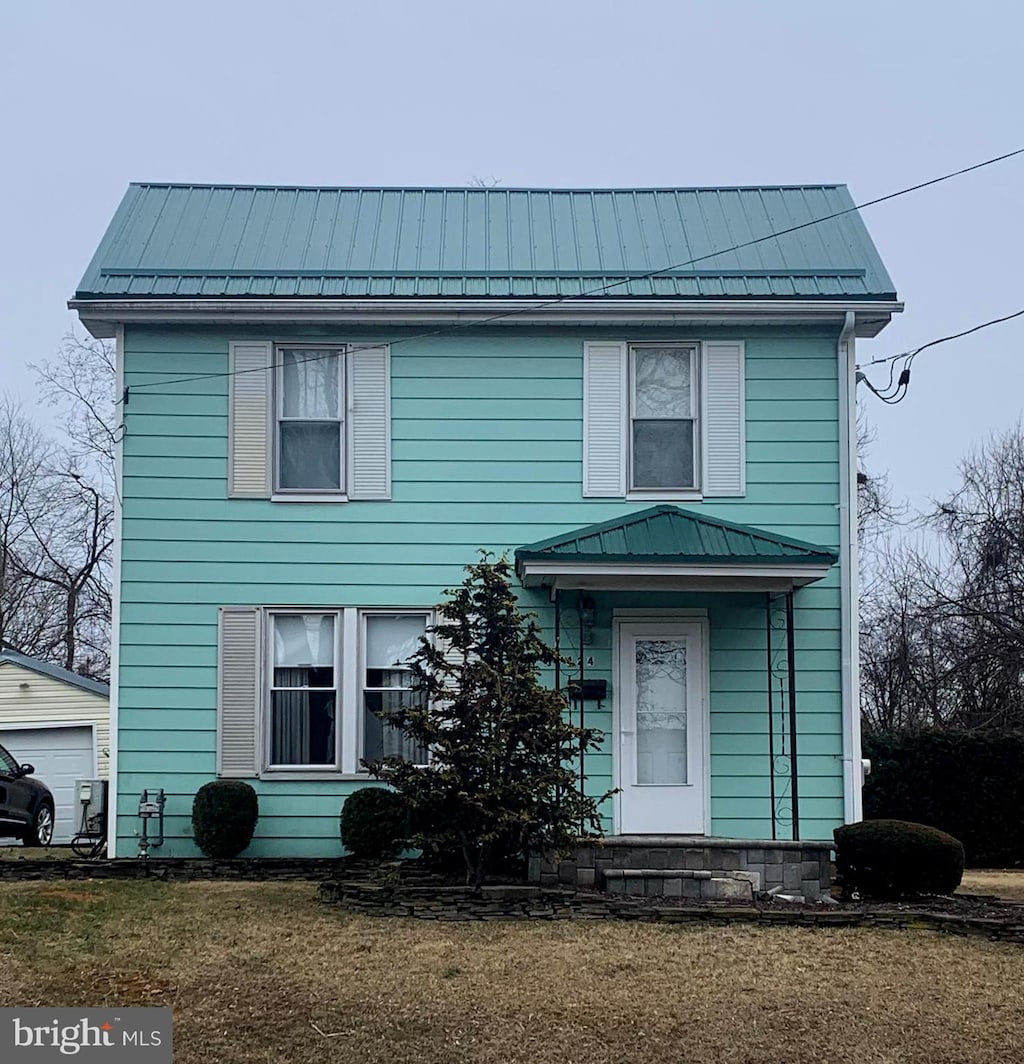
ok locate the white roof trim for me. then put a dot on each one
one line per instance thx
(101, 315)
(647, 576)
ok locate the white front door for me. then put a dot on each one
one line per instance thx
(661, 714)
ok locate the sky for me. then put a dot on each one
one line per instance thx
(877, 95)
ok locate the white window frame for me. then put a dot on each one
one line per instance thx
(428, 620)
(342, 421)
(349, 676)
(696, 490)
(268, 687)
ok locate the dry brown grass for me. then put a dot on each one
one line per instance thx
(250, 968)
(18, 852)
(1005, 883)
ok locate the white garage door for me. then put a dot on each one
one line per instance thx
(60, 756)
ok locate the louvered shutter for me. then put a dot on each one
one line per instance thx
(724, 419)
(369, 414)
(250, 449)
(238, 691)
(605, 404)
(452, 655)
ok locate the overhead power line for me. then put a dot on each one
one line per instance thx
(891, 394)
(944, 339)
(534, 307)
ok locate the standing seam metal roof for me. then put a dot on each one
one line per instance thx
(671, 535)
(251, 241)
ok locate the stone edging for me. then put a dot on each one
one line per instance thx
(538, 903)
(710, 842)
(243, 868)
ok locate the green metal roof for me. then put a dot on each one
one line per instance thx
(248, 241)
(673, 536)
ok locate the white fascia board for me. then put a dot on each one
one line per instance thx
(556, 568)
(101, 315)
(643, 576)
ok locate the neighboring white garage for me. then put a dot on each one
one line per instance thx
(60, 723)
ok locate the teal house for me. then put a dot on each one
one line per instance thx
(334, 397)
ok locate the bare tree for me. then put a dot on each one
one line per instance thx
(79, 383)
(943, 626)
(57, 515)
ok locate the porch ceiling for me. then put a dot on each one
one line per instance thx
(667, 547)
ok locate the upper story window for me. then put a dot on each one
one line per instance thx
(664, 437)
(309, 422)
(310, 437)
(664, 420)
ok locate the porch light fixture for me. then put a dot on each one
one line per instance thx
(587, 611)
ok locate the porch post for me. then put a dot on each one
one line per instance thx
(771, 710)
(583, 701)
(791, 663)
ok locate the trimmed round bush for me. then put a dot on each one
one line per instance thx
(224, 815)
(894, 858)
(374, 822)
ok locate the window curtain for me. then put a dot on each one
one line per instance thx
(310, 384)
(290, 741)
(392, 641)
(303, 641)
(294, 740)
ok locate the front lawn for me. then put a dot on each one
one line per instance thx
(250, 968)
(1006, 883)
(19, 852)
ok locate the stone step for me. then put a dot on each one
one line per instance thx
(695, 883)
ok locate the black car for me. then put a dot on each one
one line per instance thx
(26, 805)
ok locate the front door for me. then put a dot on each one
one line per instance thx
(661, 712)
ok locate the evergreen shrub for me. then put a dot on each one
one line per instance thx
(224, 815)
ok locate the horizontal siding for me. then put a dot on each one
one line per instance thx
(487, 452)
(47, 700)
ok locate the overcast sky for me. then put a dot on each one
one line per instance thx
(878, 95)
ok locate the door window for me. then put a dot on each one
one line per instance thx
(661, 712)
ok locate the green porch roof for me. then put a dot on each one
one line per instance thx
(204, 241)
(672, 536)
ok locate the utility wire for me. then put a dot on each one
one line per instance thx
(944, 339)
(891, 395)
(534, 307)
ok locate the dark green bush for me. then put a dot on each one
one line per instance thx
(224, 815)
(969, 784)
(374, 822)
(893, 858)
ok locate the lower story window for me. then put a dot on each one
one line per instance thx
(390, 640)
(332, 676)
(303, 725)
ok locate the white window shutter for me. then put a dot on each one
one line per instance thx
(724, 419)
(239, 688)
(605, 405)
(250, 449)
(369, 423)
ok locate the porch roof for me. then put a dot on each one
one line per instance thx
(669, 547)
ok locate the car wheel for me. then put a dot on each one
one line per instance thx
(41, 832)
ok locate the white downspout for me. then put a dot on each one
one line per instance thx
(115, 601)
(848, 563)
